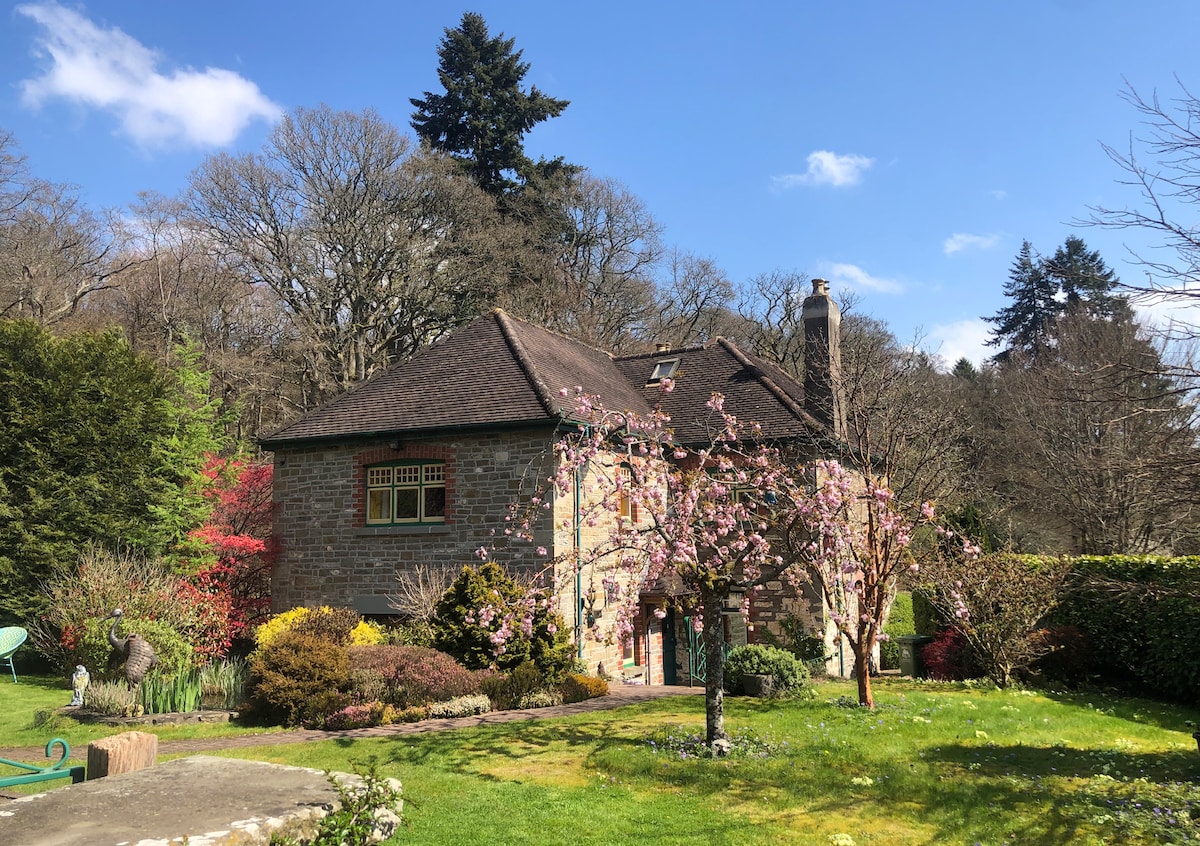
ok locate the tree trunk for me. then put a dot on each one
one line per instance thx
(714, 658)
(862, 672)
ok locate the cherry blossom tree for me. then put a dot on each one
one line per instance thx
(723, 518)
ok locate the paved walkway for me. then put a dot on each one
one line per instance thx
(619, 695)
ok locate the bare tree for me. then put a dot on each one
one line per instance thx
(770, 306)
(371, 249)
(611, 251)
(694, 302)
(1096, 445)
(54, 251)
(1168, 182)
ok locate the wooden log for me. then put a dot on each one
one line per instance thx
(121, 753)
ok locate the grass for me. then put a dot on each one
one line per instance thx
(28, 718)
(932, 764)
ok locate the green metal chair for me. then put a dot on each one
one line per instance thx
(11, 638)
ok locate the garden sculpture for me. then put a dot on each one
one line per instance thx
(79, 683)
(132, 650)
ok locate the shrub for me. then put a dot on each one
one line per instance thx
(285, 621)
(1067, 655)
(577, 687)
(368, 633)
(900, 622)
(460, 706)
(356, 716)
(926, 620)
(331, 624)
(113, 699)
(1142, 620)
(411, 633)
(410, 675)
(506, 691)
(809, 648)
(788, 672)
(490, 594)
(541, 699)
(412, 714)
(147, 590)
(948, 658)
(298, 679)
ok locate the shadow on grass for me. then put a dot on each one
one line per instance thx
(1066, 762)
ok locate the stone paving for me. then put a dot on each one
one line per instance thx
(619, 695)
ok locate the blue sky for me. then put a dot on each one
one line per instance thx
(901, 150)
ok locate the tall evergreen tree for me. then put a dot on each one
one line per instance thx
(1082, 278)
(1024, 323)
(1075, 279)
(483, 116)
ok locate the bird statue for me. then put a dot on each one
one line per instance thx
(79, 683)
(132, 650)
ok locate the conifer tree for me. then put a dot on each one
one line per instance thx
(483, 116)
(1023, 324)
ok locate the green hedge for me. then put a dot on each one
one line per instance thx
(1141, 616)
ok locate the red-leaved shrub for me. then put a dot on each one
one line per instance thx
(410, 675)
(948, 657)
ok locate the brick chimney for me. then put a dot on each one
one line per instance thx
(822, 321)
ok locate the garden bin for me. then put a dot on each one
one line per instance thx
(910, 655)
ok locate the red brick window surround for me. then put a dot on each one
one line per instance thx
(412, 486)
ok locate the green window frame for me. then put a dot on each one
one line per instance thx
(406, 493)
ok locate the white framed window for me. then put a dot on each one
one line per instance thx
(406, 492)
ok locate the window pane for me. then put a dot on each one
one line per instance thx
(435, 503)
(406, 504)
(408, 474)
(435, 473)
(379, 476)
(379, 505)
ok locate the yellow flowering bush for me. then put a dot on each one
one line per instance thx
(367, 633)
(266, 633)
(324, 621)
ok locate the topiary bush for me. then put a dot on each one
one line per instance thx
(789, 673)
(926, 620)
(577, 687)
(404, 676)
(485, 602)
(298, 679)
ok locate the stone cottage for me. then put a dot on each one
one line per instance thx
(420, 464)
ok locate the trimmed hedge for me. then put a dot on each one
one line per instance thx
(789, 672)
(1141, 616)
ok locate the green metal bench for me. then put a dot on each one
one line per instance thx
(34, 774)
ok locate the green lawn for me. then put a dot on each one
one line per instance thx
(932, 764)
(28, 718)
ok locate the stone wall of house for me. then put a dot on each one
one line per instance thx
(330, 556)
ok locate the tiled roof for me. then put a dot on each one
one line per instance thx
(754, 391)
(499, 370)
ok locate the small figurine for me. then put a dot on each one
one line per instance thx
(79, 683)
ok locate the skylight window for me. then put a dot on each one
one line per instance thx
(664, 369)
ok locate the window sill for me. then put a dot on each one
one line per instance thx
(415, 529)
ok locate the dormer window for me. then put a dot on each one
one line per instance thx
(663, 369)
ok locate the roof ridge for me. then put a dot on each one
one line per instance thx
(540, 388)
(770, 384)
(666, 353)
(553, 332)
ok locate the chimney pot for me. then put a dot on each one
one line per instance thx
(662, 347)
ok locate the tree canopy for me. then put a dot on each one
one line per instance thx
(483, 116)
(97, 446)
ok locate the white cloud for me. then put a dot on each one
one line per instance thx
(826, 168)
(961, 339)
(999, 194)
(962, 241)
(853, 276)
(107, 69)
